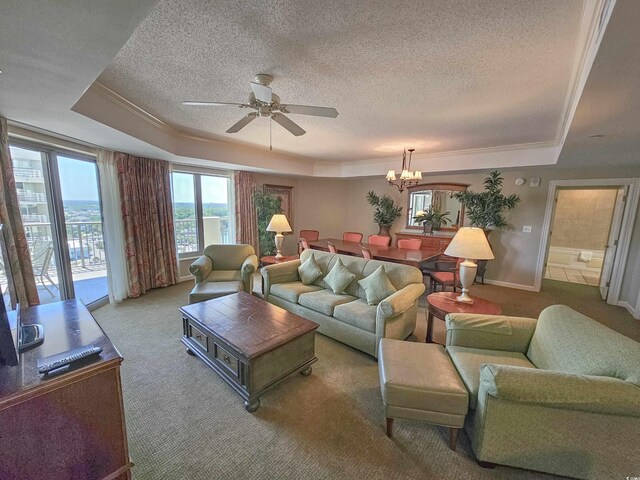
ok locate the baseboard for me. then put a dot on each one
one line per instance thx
(634, 313)
(185, 279)
(517, 286)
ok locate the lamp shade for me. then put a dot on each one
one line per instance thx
(471, 243)
(280, 224)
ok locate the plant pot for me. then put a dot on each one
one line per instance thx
(384, 230)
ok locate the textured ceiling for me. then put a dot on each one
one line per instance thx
(441, 75)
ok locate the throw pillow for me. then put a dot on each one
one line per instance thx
(309, 270)
(377, 286)
(339, 278)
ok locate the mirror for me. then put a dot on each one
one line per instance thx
(438, 196)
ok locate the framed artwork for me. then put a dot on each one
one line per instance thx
(285, 194)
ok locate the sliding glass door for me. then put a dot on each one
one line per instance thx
(60, 205)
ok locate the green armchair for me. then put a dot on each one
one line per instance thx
(222, 270)
(560, 394)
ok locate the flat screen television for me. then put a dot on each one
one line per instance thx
(14, 337)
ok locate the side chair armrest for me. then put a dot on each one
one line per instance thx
(249, 265)
(201, 268)
(490, 332)
(553, 389)
(402, 300)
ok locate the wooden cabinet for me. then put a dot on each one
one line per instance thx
(65, 425)
(431, 243)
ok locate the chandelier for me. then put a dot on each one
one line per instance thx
(407, 177)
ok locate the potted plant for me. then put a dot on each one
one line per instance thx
(266, 206)
(386, 211)
(432, 219)
(486, 209)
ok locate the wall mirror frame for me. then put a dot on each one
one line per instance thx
(420, 197)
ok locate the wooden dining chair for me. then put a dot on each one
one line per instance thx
(352, 237)
(410, 243)
(381, 240)
(446, 276)
(310, 235)
(332, 247)
(366, 253)
(303, 244)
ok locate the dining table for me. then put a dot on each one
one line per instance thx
(378, 252)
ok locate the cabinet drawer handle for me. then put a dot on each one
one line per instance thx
(198, 336)
(226, 358)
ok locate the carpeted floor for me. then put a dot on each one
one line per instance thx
(184, 422)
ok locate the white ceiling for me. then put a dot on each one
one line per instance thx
(439, 76)
(481, 77)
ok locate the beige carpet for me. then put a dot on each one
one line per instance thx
(184, 422)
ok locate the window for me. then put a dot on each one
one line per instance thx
(201, 211)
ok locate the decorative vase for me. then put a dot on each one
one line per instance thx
(384, 230)
(426, 228)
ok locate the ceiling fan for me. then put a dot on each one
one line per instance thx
(267, 104)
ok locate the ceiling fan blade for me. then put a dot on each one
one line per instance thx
(262, 92)
(244, 121)
(214, 104)
(309, 110)
(289, 124)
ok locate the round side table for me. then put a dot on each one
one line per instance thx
(441, 303)
(271, 259)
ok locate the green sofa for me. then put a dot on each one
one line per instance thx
(348, 318)
(222, 270)
(560, 394)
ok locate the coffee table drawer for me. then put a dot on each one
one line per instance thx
(226, 359)
(199, 337)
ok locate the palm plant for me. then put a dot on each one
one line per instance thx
(432, 216)
(267, 205)
(386, 211)
(485, 209)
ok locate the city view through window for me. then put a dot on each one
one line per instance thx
(211, 194)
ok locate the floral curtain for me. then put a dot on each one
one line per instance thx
(246, 222)
(147, 213)
(16, 240)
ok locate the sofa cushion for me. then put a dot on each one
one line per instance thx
(377, 286)
(224, 276)
(468, 360)
(208, 290)
(323, 301)
(339, 278)
(291, 291)
(309, 270)
(357, 313)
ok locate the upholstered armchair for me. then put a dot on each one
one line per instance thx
(558, 394)
(222, 270)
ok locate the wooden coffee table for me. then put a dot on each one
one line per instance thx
(441, 303)
(250, 343)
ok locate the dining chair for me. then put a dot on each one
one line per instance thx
(332, 247)
(366, 253)
(446, 275)
(310, 235)
(410, 243)
(352, 237)
(381, 240)
(303, 244)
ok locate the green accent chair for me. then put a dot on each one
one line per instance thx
(560, 394)
(223, 270)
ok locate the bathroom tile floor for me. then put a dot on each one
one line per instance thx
(573, 275)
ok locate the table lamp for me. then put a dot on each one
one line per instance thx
(471, 244)
(280, 224)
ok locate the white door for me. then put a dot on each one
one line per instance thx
(611, 247)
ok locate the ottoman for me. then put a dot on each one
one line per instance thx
(419, 382)
(208, 290)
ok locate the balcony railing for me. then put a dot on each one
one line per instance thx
(216, 230)
(25, 196)
(27, 172)
(29, 218)
(84, 241)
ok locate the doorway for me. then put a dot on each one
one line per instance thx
(59, 202)
(579, 235)
(590, 241)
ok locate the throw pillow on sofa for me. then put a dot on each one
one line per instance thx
(309, 271)
(339, 278)
(377, 286)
